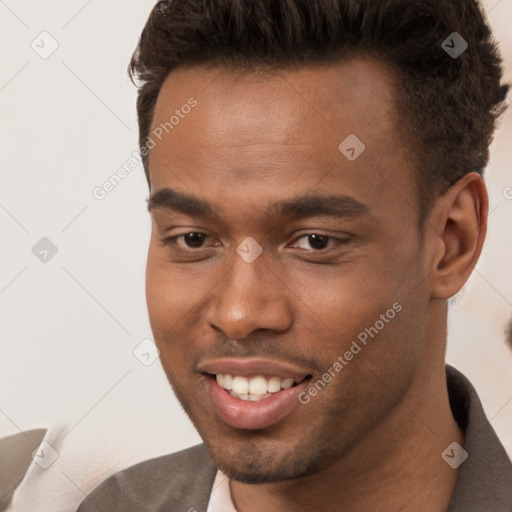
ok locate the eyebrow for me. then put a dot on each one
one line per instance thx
(299, 207)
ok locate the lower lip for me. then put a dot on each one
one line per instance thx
(246, 414)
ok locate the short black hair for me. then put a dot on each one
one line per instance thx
(447, 106)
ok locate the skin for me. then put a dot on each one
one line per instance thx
(373, 438)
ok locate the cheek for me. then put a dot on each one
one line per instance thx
(172, 291)
(345, 297)
(174, 297)
(164, 316)
(359, 302)
(159, 293)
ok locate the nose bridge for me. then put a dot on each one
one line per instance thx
(249, 297)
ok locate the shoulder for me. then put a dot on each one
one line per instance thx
(182, 479)
(485, 474)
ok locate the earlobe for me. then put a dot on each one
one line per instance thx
(460, 218)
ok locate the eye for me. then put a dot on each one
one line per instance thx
(316, 241)
(311, 241)
(192, 240)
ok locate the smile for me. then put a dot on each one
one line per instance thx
(255, 388)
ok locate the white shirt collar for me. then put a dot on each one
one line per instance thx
(220, 498)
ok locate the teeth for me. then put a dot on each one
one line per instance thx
(240, 385)
(250, 398)
(287, 383)
(274, 384)
(254, 389)
(258, 386)
(228, 382)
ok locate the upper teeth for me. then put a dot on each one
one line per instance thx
(258, 387)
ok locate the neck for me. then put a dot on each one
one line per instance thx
(397, 465)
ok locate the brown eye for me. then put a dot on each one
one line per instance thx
(193, 240)
(316, 242)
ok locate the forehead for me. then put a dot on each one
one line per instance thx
(270, 133)
(355, 94)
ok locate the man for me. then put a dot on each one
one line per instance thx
(316, 196)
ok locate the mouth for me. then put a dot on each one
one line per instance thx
(253, 394)
(256, 388)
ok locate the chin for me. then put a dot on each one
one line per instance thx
(259, 475)
(255, 467)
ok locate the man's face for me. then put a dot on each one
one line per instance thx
(308, 282)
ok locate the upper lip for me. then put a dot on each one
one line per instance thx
(251, 367)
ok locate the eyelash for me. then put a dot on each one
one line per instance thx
(171, 241)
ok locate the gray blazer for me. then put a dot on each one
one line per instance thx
(182, 482)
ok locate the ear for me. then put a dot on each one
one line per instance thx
(458, 223)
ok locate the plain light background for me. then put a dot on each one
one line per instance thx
(70, 325)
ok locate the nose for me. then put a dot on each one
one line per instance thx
(251, 296)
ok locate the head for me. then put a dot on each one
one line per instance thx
(339, 148)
